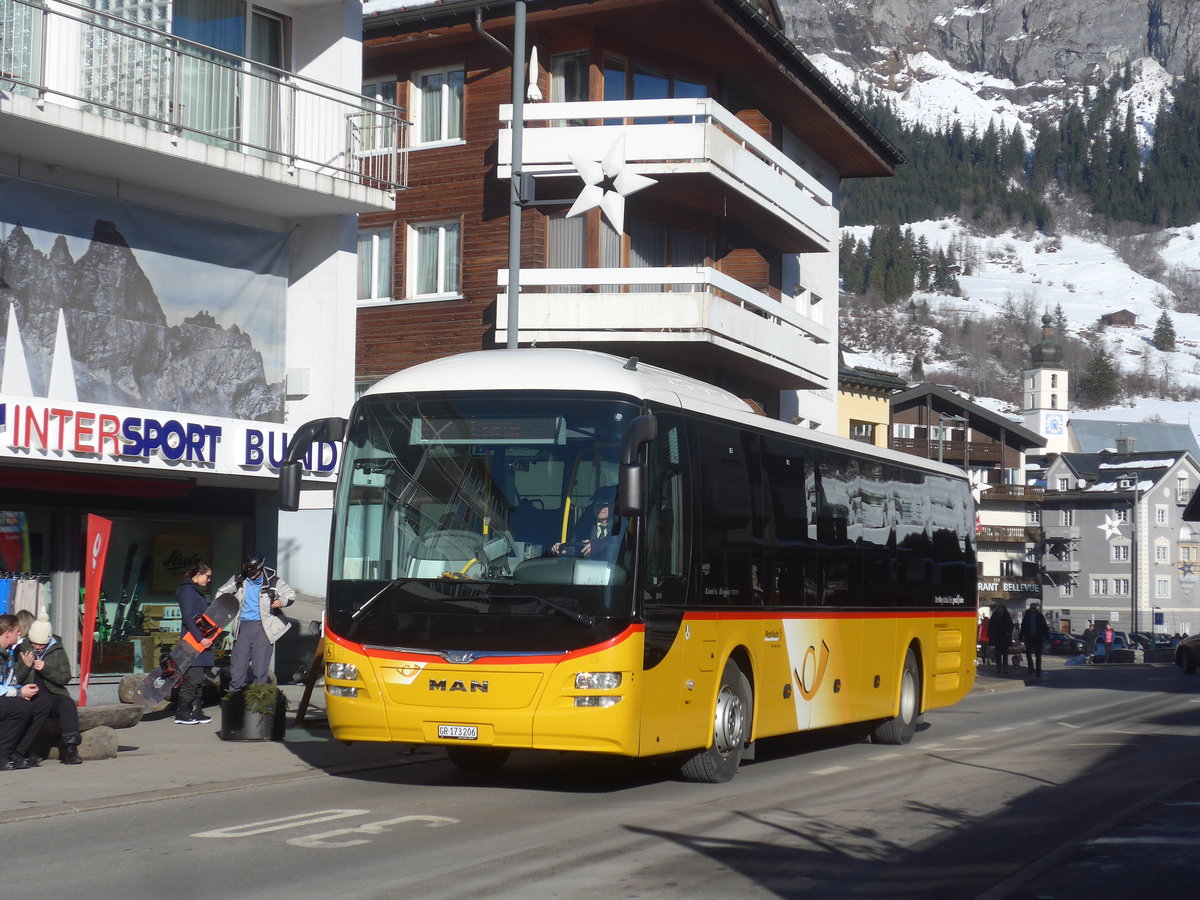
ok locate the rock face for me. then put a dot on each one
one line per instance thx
(1034, 40)
(123, 350)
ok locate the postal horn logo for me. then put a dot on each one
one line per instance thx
(812, 671)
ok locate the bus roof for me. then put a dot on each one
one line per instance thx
(559, 369)
(578, 371)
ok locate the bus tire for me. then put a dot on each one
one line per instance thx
(731, 731)
(478, 760)
(900, 728)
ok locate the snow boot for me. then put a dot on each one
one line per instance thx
(68, 751)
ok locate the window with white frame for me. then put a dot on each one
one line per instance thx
(434, 257)
(1033, 515)
(1066, 517)
(1099, 587)
(1162, 588)
(375, 263)
(377, 132)
(1064, 484)
(1121, 586)
(1160, 515)
(1066, 590)
(900, 430)
(1120, 552)
(1188, 553)
(1122, 514)
(1162, 553)
(1183, 490)
(437, 105)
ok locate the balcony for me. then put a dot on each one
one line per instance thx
(1052, 563)
(1015, 492)
(80, 88)
(673, 309)
(702, 155)
(1007, 534)
(1061, 532)
(949, 450)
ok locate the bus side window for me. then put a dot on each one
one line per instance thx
(731, 516)
(792, 556)
(666, 515)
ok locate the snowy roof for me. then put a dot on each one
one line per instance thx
(1097, 436)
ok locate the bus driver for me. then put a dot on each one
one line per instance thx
(593, 534)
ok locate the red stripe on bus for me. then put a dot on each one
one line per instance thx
(379, 653)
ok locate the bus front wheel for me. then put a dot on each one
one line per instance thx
(731, 731)
(900, 728)
(478, 759)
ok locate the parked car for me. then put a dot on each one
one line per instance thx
(1145, 641)
(1187, 654)
(1060, 643)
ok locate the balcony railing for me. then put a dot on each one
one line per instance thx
(117, 69)
(674, 137)
(956, 451)
(1015, 492)
(672, 303)
(1018, 534)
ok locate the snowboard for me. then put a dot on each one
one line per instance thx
(157, 685)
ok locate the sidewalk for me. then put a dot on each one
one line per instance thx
(158, 759)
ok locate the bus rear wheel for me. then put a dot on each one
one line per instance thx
(731, 731)
(900, 728)
(478, 760)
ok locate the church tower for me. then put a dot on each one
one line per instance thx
(1046, 395)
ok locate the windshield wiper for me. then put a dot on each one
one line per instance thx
(395, 582)
(427, 593)
(581, 618)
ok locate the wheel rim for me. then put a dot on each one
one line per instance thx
(729, 726)
(908, 697)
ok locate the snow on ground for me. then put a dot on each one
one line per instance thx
(1087, 279)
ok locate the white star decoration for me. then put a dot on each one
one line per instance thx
(1111, 527)
(606, 184)
(979, 484)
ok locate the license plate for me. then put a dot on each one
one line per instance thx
(459, 732)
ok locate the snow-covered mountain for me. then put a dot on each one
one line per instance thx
(939, 62)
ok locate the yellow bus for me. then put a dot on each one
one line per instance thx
(562, 550)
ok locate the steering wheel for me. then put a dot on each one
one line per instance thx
(571, 548)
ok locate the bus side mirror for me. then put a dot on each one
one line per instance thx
(332, 429)
(631, 481)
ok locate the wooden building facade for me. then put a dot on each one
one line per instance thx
(680, 186)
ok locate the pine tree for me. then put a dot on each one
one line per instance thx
(1164, 333)
(1100, 382)
(918, 369)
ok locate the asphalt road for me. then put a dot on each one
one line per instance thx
(1059, 790)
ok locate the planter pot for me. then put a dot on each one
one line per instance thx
(241, 724)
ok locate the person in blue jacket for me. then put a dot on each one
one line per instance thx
(192, 597)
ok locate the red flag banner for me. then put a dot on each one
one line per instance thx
(98, 531)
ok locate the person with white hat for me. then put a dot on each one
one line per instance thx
(42, 660)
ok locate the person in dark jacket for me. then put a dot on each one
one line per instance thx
(42, 660)
(193, 601)
(1034, 632)
(1000, 633)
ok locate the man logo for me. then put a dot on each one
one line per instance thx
(476, 687)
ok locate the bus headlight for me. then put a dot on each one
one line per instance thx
(597, 681)
(341, 671)
(597, 701)
(338, 690)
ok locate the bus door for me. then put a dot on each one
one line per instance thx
(675, 649)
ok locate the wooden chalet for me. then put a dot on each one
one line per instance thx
(706, 237)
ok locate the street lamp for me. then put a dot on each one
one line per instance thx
(1133, 557)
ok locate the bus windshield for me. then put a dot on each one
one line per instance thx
(457, 514)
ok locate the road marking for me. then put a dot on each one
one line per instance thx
(1157, 840)
(882, 756)
(1005, 728)
(297, 821)
(968, 737)
(322, 840)
(932, 746)
(829, 771)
